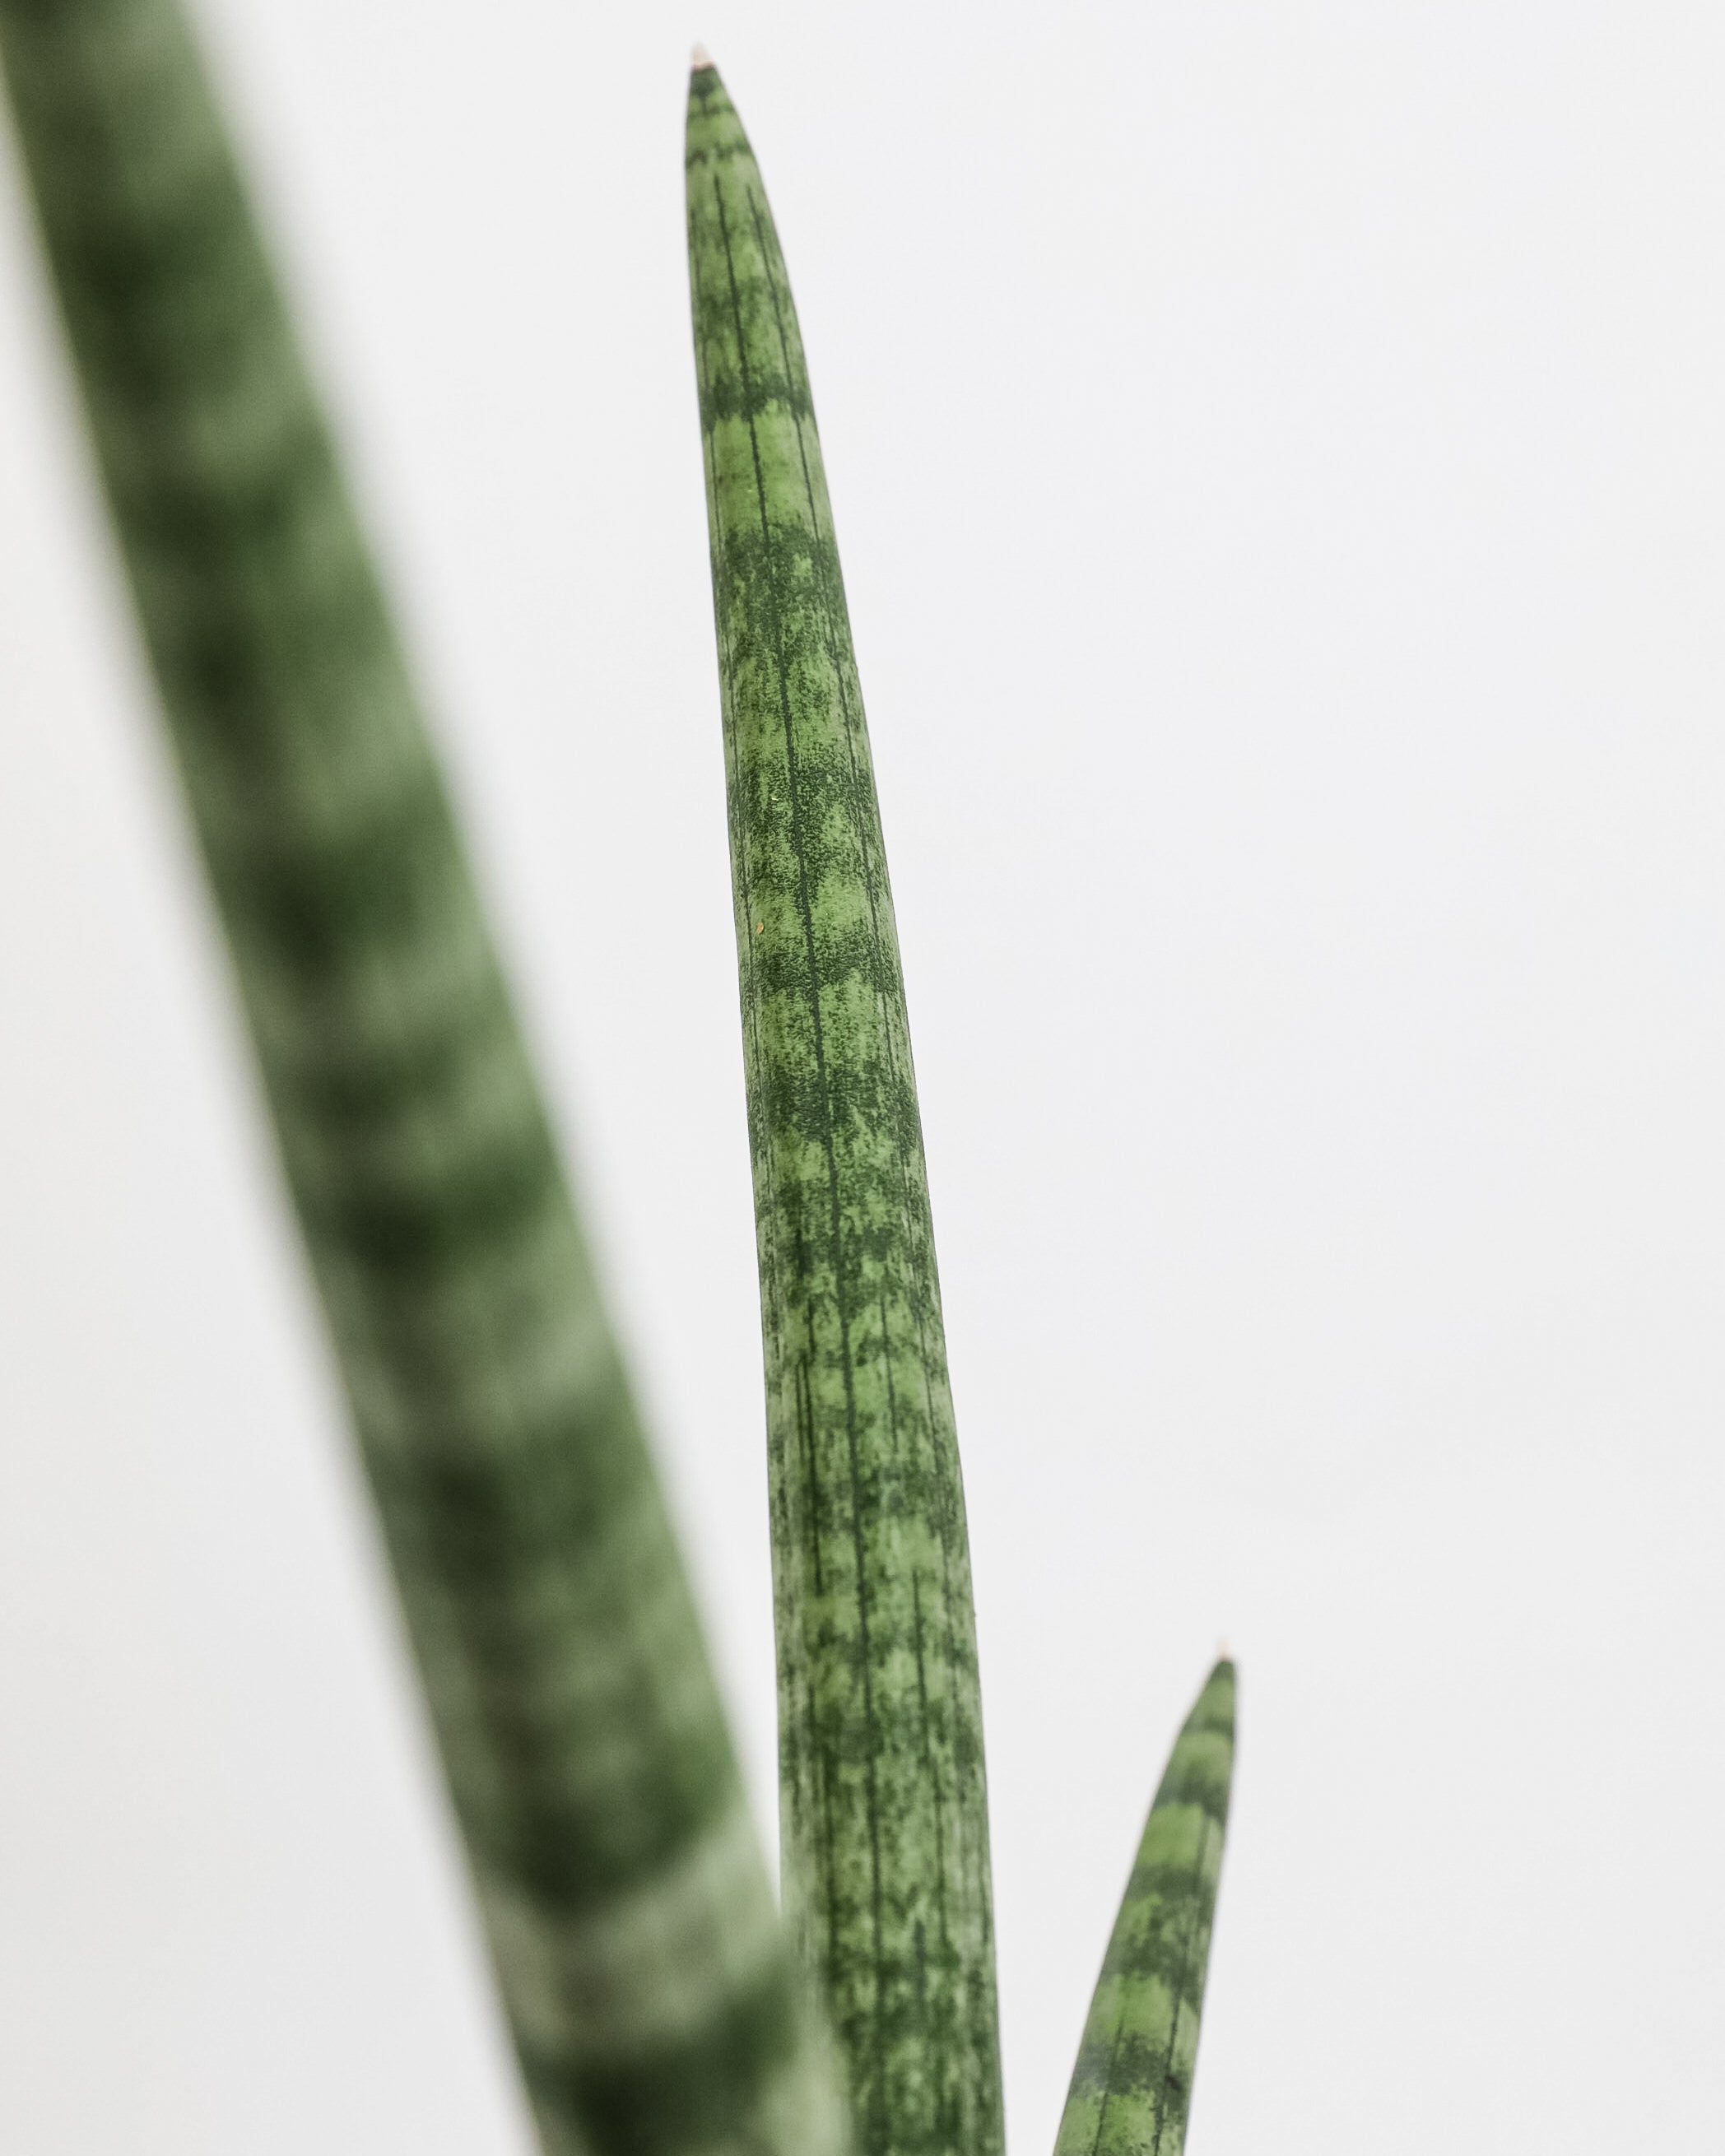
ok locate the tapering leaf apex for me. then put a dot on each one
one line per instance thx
(1131, 2087)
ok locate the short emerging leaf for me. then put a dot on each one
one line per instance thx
(1132, 2084)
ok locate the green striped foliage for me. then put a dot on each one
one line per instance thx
(1132, 2084)
(653, 2000)
(883, 1805)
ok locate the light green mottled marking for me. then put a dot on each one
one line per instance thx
(656, 2003)
(1132, 2084)
(884, 1808)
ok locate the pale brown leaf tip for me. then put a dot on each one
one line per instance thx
(699, 58)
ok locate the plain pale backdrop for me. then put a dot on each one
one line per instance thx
(1278, 457)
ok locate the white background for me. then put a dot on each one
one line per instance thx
(1278, 457)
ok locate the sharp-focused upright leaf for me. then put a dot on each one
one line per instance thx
(655, 2004)
(1132, 2084)
(883, 1803)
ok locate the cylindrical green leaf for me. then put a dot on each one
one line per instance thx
(1132, 2084)
(654, 1999)
(883, 1803)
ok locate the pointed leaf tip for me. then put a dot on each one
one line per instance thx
(699, 58)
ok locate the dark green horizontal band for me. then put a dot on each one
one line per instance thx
(703, 2089)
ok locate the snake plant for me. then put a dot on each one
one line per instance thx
(657, 2002)
(883, 1803)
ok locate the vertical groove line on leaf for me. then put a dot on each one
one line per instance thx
(1108, 2084)
(931, 1769)
(1174, 2030)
